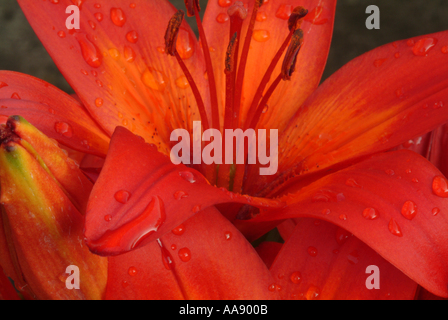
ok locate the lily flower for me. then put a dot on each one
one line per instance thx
(346, 204)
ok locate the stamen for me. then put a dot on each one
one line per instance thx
(208, 64)
(295, 19)
(191, 5)
(243, 61)
(290, 60)
(170, 48)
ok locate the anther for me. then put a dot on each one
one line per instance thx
(296, 17)
(191, 5)
(230, 55)
(290, 59)
(172, 31)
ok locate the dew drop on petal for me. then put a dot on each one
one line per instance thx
(122, 196)
(187, 176)
(440, 186)
(185, 44)
(182, 82)
(184, 254)
(90, 51)
(227, 235)
(435, 211)
(296, 277)
(222, 17)
(312, 293)
(179, 230)
(422, 46)
(61, 34)
(117, 16)
(370, 213)
(132, 36)
(353, 257)
(261, 16)
(312, 251)
(352, 183)
(99, 16)
(64, 129)
(196, 209)
(284, 11)
(261, 35)
(409, 210)
(180, 195)
(132, 271)
(154, 79)
(167, 259)
(342, 235)
(224, 3)
(108, 217)
(99, 102)
(394, 228)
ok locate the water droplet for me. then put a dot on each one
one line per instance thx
(390, 172)
(90, 51)
(64, 129)
(222, 17)
(185, 44)
(409, 210)
(167, 259)
(99, 102)
(16, 96)
(410, 42)
(438, 105)
(154, 79)
(343, 217)
(188, 176)
(353, 257)
(394, 228)
(122, 196)
(261, 35)
(224, 3)
(99, 83)
(326, 211)
(312, 293)
(284, 11)
(228, 235)
(3, 84)
(352, 183)
(132, 271)
(184, 254)
(61, 34)
(108, 217)
(422, 46)
(312, 251)
(132, 36)
(370, 214)
(180, 195)
(99, 16)
(129, 54)
(179, 230)
(196, 208)
(296, 277)
(173, 247)
(325, 195)
(435, 211)
(125, 284)
(444, 49)
(114, 53)
(182, 82)
(92, 24)
(378, 62)
(261, 16)
(440, 186)
(117, 16)
(342, 235)
(78, 3)
(397, 55)
(265, 109)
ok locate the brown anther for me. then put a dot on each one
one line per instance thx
(7, 134)
(259, 3)
(190, 5)
(237, 10)
(230, 54)
(296, 17)
(289, 62)
(172, 31)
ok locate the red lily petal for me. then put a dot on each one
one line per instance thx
(268, 250)
(116, 63)
(439, 149)
(140, 195)
(374, 103)
(206, 249)
(388, 203)
(52, 111)
(323, 261)
(271, 29)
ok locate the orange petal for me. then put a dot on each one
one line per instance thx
(389, 203)
(204, 258)
(140, 195)
(116, 63)
(270, 31)
(323, 261)
(374, 103)
(52, 111)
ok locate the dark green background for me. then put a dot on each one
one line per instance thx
(20, 50)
